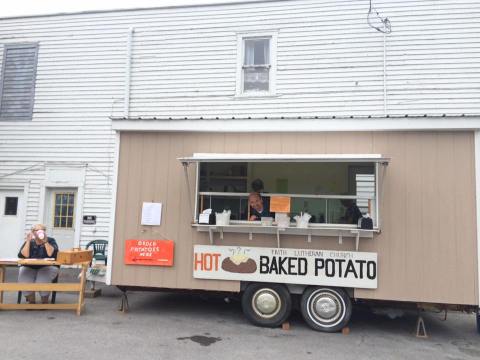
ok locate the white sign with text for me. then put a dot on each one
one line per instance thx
(291, 266)
(151, 213)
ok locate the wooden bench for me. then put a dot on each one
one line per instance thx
(78, 287)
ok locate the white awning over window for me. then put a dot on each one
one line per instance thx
(215, 157)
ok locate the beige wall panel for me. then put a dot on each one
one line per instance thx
(176, 210)
(466, 210)
(430, 219)
(185, 207)
(287, 145)
(160, 191)
(412, 266)
(393, 201)
(146, 190)
(429, 208)
(304, 142)
(427, 245)
(447, 209)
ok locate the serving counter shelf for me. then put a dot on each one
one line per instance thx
(323, 231)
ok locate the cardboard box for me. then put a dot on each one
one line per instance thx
(74, 256)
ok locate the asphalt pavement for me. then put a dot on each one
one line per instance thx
(188, 326)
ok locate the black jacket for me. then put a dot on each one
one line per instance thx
(39, 251)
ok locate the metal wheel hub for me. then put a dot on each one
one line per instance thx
(266, 303)
(325, 307)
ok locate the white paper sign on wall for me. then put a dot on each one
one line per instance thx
(151, 213)
(290, 266)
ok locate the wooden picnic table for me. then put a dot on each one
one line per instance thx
(59, 287)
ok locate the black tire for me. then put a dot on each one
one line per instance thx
(326, 309)
(266, 305)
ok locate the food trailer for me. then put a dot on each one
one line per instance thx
(417, 187)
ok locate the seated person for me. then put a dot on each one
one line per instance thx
(257, 207)
(257, 186)
(38, 246)
(352, 212)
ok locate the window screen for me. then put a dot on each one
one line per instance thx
(256, 65)
(17, 82)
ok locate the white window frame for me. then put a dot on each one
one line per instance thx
(272, 86)
(54, 195)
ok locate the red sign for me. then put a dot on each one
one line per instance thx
(149, 252)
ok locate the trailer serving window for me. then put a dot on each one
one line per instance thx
(327, 186)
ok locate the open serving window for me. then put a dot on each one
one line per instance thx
(333, 188)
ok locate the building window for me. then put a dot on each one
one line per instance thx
(256, 65)
(11, 205)
(64, 206)
(17, 81)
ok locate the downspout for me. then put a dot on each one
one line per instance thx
(128, 72)
(477, 201)
(81, 206)
(385, 100)
(113, 207)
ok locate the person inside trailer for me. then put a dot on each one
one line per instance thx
(257, 186)
(257, 207)
(38, 245)
(352, 212)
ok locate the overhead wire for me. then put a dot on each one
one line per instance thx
(66, 163)
(22, 170)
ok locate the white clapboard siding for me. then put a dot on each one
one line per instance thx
(75, 87)
(184, 59)
(97, 196)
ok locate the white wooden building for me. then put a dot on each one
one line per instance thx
(65, 77)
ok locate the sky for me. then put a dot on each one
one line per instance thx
(41, 7)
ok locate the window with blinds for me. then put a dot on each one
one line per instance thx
(17, 81)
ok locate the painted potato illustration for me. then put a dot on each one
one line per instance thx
(239, 264)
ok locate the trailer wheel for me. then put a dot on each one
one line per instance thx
(326, 309)
(266, 305)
